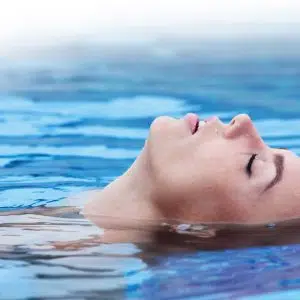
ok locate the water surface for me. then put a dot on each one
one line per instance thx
(73, 126)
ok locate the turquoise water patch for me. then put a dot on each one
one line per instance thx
(66, 129)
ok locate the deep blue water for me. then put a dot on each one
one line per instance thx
(67, 125)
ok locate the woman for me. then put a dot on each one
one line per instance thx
(192, 171)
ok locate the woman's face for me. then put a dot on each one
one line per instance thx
(216, 172)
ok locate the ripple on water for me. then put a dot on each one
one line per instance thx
(67, 130)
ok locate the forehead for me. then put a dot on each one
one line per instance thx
(285, 195)
(291, 174)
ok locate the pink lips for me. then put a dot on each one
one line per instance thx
(193, 121)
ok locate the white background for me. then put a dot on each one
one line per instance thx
(39, 21)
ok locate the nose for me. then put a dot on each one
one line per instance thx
(242, 126)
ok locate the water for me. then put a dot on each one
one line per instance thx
(68, 125)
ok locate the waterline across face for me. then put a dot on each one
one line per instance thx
(208, 171)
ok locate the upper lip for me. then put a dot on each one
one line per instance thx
(199, 123)
(195, 122)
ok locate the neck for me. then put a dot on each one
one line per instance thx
(127, 201)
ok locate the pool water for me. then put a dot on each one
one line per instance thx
(75, 123)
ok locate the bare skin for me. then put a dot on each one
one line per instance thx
(187, 173)
(215, 173)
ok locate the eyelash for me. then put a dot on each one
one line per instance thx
(249, 165)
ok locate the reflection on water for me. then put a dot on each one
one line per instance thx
(76, 126)
(63, 258)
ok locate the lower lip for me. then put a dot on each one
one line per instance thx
(192, 120)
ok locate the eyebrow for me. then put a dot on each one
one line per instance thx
(279, 166)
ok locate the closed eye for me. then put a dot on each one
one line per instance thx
(249, 165)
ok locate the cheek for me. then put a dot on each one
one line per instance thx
(207, 204)
(217, 197)
(192, 180)
(181, 166)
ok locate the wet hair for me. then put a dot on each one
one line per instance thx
(229, 236)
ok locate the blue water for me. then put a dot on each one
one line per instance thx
(73, 124)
